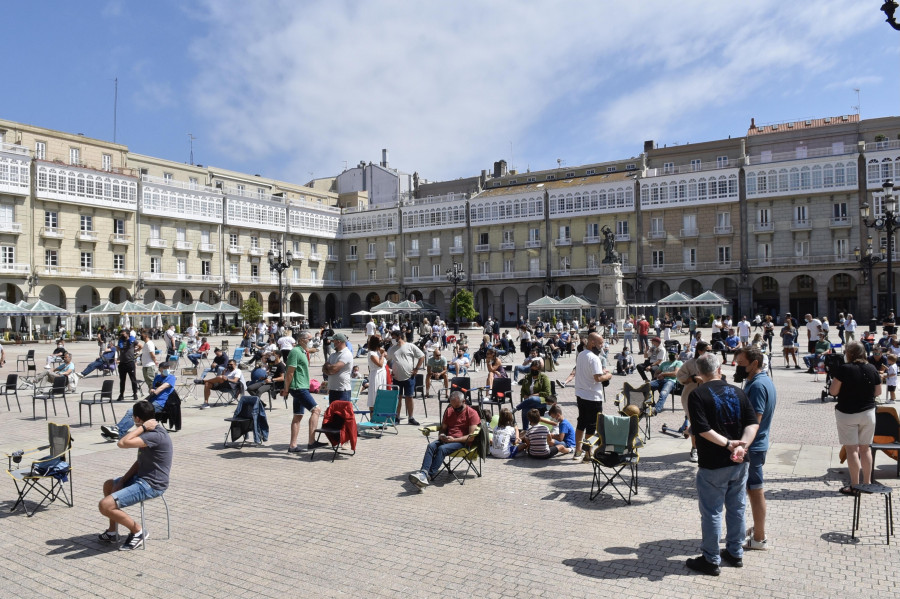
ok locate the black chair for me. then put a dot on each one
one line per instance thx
(419, 391)
(46, 476)
(94, 398)
(58, 389)
(11, 388)
(26, 360)
(887, 434)
(463, 384)
(500, 394)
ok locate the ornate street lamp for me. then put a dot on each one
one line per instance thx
(279, 262)
(889, 8)
(455, 275)
(867, 261)
(889, 221)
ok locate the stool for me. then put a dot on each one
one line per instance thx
(874, 489)
(168, 522)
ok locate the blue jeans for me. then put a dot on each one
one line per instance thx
(527, 404)
(520, 370)
(195, 358)
(92, 367)
(629, 339)
(127, 420)
(664, 387)
(435, 454)
(716, 489)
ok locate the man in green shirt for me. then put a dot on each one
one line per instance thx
(535, 391)
(665, 380)
(436, 371)
(823, 346)
(296, 382)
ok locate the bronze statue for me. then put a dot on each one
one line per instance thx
(609, 245)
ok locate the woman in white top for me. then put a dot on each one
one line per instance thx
(377, 371)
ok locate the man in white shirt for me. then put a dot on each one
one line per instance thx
(261, 333)
(192, 332)
(589, 378)
(406, 362)
(717, 326)
(169, 338)
(230, 380)
(338, 368)
(813, 328)
(849, 329)
(744, 331)
(285, 344)
(460, 363)
(370, 329)
(149, 363)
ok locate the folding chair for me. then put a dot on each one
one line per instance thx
(238, 354)
(93, 398)
(187, 385)
(384, 412)
(887, 436)
(355, 393)
(419, 391)
(55, 469)
(640, 397)
(248, 418)
(339, 427)
(500, 394)
(471, 456)
(614, 448)
(463, 384)
(27, 359)
(58, 389)
(11, 388)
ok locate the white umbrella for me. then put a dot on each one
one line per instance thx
(362, 313)
(159, 322)
(126, 322)
(194, 319)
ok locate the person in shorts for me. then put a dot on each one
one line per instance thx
(147, 478)
(296, 382)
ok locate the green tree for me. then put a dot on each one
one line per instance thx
(466, 302)
(251, 311)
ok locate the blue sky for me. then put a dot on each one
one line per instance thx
(292, 89)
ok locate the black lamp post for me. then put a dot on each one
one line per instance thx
(889, 8)
(279, 262)
(867, 261)
(455, 274)
(889, 221)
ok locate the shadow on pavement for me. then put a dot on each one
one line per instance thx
(80, 547)
(652, 561)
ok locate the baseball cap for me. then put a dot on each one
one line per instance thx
(656, 340)
(339, 337)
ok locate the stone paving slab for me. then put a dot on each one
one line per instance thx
(258, 522)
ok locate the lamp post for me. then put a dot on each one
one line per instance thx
(867, 261)
(279, 262)
(889, 8)
(889, 221)
(455, 274)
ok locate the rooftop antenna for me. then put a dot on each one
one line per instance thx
(192, 138)
(115, 106)
(856, 89)
(512, 163)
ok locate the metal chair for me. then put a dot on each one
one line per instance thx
(26, 360)
(93, 398)
(11, 388)
(168, 521)
(58, 389)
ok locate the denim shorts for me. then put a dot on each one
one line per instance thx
(407, 387)
(755, 475)
(303, 400)
(136, 490)
(337, 395)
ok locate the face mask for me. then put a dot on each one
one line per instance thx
(459, 409)
(596, 351)
(740, 374)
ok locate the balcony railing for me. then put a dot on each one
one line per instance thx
(623, 236)
(331, 257)
(371, 256)
(686, 233)
(235, 250)
(456, 250)
(800, 260)
(762, 227)
(562, 242)
(689, 168)
(15, 267)
(412, 253)
(802, 155)
(841, 221)
(15, 149)
(157, 242)
(483, 247)
(353, 258)
(801, 223)
(424, 279)
(589, 239)
(78, 271)
(120, 239)
(52, 233)
(256, 251)
(315, 257)
(180, 184)
(207, 248)
(181, 276)
(507, 245)
(434, 251)
(657, 235)
(533, 243)
(86, 236)
(723, 230)
(514, 274)
(390, 254)
(181, 244)
(14, 228)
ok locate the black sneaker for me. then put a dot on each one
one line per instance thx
(734, 562)
(412, 421)
(109, 432)
(108, 537)
(134, 541)
(699, 564)
(295, 449)
(316, 445)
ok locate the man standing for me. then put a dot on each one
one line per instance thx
(147, 478)
(849, 329)
(149, 362)
(125, 347)
(338, 368)
(761, 393)
(296, 382)
(169, 339)
(370, 328)
(725, 424)
(743, 328)
(643, 331)
(813, 328)
(406, 361)
(589, 378)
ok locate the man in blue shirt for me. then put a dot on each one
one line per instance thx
(761, 393)
(565, 438)
(163, 385)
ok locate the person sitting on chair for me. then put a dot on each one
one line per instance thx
(665, 380)
(163, 385)
(535, 391)
(217, 366)
(436, 370)
(732, 343)
(230, 380)
(460, 364)
(654, 355)
(107, 355)
(458, 428)
(65, 368)
(624, 362)
(525, 366)
(57, 354)
(147, 478)
(194, 357)
(274, 378)
(822, 347)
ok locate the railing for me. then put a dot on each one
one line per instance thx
(15, 149)
(483, 247)
(888, 144)
(331, 257)
(157, 242)
(801, 223)
(180, 184)
(78, 271)
(514, 274)
(723, 230)
(794, 155)
(235, 250)
(507, 245)
(371, 256)
(841, 221)
(11, 228)
(562, 242)
(456, 250)
(390, 254)
(424, 279)
(762, 227)
(15, 267)
(86, 236)
(120, 239)
(181, 244)
(256, 251)
(657, 235)
(52, 232)
(690, 233)
(689, 168)
(207, 248)
(412, 253)
(801, 260)
(315, 257)
(533, 243)
(623, 236)
(589, 239)
(434, 251)
(353, 258)
(182, 276)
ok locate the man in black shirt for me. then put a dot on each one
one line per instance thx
(274, 378)
(724, 423)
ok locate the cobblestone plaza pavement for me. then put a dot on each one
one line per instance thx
(257, 522)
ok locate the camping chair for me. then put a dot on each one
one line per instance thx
(355, 393)
(54, 469)
(500, 393)
(640, 397)
(238, 354)
(887, 436)
(463, 384)
(471, 456)
(93, 398)
(339, 427)
(224, 346)
(614, 448)
(419, 390)
(58, 389)
(11, 388)
(249, 416)
(187, 385)
(27, 359)
(384, 412)
(224, 391)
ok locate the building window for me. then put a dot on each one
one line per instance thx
(513, 181)
(273, 244)
(508, 265)
(610, 169)
(391, 248)
(254, 270)
(254, 242)
(235, 270)
(7, 254)
(106, 162)
(724, 252)
(353, 250)
(696, 165)
(205, 268)
(590, 171)
(436, 270)
(40, 150)
(534, 266)
(180, 233)
(232, 240)
(240, 189)
(801, 248)
(51, 220)
(51, 259)
(74, 156)
(565, 262)
(531, 179)
(564, 233)
(570, 174)
(508, 236)
(261, 193)
(622, 227)
(392, 273)
(690, 257)
(87, 223)
(764, 252)
(118, 227)
(457, 241)
(154, 231)
(839, 210)
(353, 276)
(484, 267)
(657, 225)
(593, 230)
(371, 248)
(435, 243)
(534, 234)
(668, 167)
(723, 219)
(483, 239)
(414, 271)
(314, 275)
(118, 262)
(551, 177)
(193, 182)
(630, 167)
(373, 274)
(800, 214)
(657, 259)
(762, 216)
(841, 248)
(155, 265)
(722, 161)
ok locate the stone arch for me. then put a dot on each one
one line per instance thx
(565, 290)
(803, 296)
(393, 296)
(11, 293)
(842, 294)
(86, 298)
(436, 298)
(414, 296)
(354, 304)
(592, 292)
(254, 295)
(373, 299)
(690, 287)
(53, 294)
(727, 288)
(766, 297)
(532, 294)
(154, 295)
(272, 303)
(235, 298)
(117, 295)
(509, 298)
(184, 296)
(315, 309)
(209, 296)
(484, 304)
(657, 290)
(296, 303)
(331, 308)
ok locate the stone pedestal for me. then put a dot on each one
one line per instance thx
(612, 298)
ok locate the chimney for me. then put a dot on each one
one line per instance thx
(649, 145)
(752, 123)
(384, 158)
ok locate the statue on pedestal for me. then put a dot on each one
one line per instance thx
(609, 245)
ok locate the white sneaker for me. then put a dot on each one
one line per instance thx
(693, 457)
(757, 545)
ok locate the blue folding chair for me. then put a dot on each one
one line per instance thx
(384, 412)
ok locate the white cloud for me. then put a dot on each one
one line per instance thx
(447, 86)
